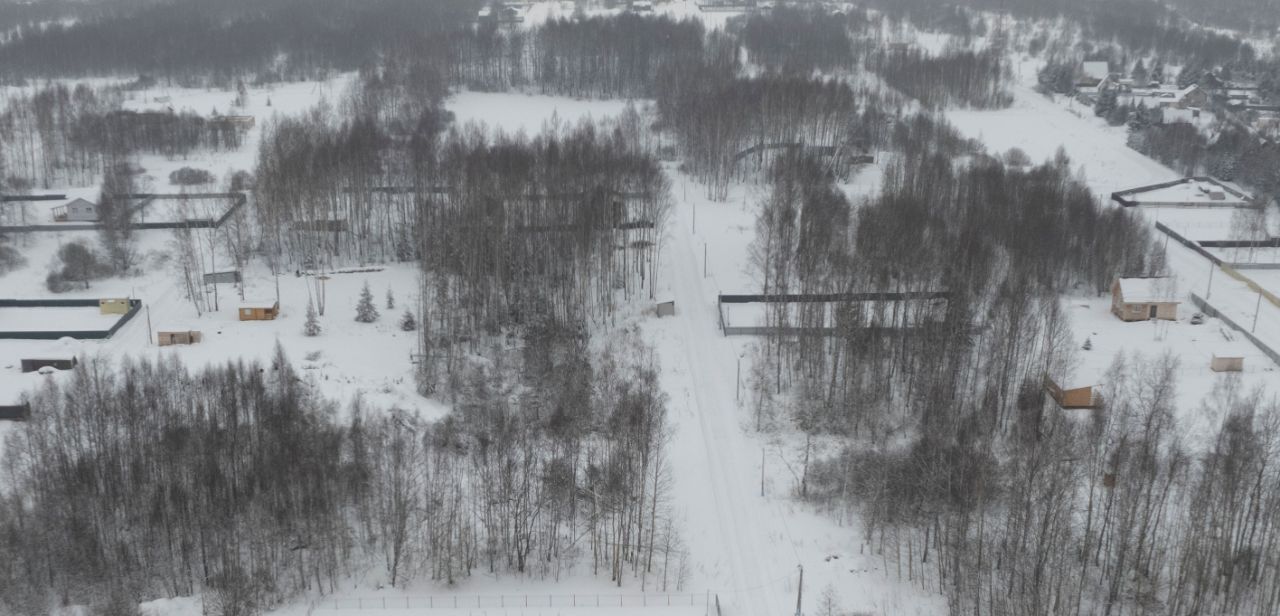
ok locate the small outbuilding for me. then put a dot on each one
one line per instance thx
(259, 311)
(1227, 362)
(170, 337)
(227, 277)
(76, 210)
(1072, 398)
(15, 412)
(1144, 299)
(667, 309)
(57, 363)
(113, 305)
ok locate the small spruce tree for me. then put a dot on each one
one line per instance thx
(407, 322)
(312, 326)
(1088, 344)
(391, 300)
(366, 312)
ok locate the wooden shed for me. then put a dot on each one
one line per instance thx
(1072, 398)
(1144, 299)
(15, 412)
(667, 309)
(170, 337)
(59, 363)
(260, 312)
(1227, 363)
(113, 305)
(77, 210)
(230, 276)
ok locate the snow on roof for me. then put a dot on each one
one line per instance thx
(1181, 94)
(1096, 70)
(1148, 290)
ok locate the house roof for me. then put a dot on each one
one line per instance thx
(1148, 290)
(1096, 70)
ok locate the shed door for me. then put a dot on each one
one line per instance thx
(1151, 311)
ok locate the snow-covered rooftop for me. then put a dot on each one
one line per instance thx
(1148, 290)
(1096, 70)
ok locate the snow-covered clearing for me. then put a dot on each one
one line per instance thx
(515, 112)
(40, 319)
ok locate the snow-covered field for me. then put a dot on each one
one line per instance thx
(33, 319)
(515, 112)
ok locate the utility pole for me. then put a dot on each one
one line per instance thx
(762, 490)
(1255, 314)
(800, 592)
(1209, 291)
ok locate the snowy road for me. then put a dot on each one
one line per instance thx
(730, 510)
(747, 548)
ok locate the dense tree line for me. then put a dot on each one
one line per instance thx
(62, 135)
(147, 480)
(1106, 515)
(603, 57)
(799, 41)
(1233, 154)
(959, 79)
(715, 119)
(989, 499)
(199, 42)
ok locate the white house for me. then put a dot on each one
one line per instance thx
(76, 210)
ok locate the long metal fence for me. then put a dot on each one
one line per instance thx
(1208, 309)
(99, 334)
(532, 600)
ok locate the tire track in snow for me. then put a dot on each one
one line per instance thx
(745, 524)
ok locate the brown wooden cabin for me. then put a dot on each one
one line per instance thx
(1072, 398)
(260, 312)
(167, 338)
(1143, 299)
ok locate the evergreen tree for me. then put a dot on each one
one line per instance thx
(312, 326)
(366, 312)
(1106, 104)
(1139, 74)
(407, 322)
(391, 300)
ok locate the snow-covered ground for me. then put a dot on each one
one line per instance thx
(514, 112)
(41, 319)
